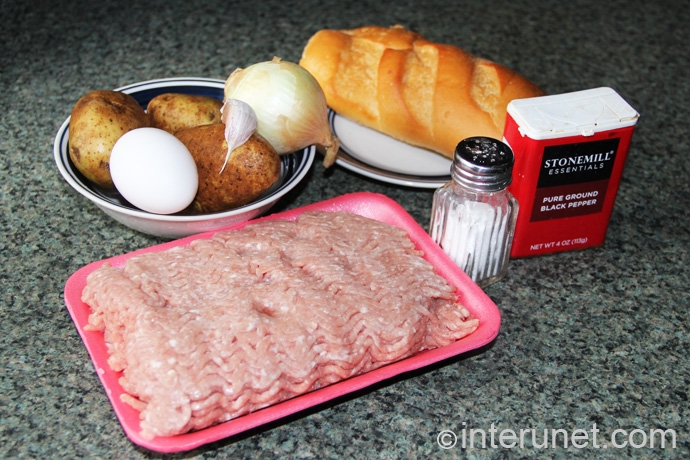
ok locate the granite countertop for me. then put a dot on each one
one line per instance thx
(598, 336)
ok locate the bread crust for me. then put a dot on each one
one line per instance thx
(397, 82)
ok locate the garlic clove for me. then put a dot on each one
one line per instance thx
(240, 123)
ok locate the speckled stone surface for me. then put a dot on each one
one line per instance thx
(598, 336)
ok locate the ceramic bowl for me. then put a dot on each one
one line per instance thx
(294, 168)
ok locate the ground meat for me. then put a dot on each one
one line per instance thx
(225, 326)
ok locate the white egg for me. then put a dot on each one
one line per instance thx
(154, 171)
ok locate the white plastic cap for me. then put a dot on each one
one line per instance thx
(580, 113)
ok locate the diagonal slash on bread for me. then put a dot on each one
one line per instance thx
(426, 94)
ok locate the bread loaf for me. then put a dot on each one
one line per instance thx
(400, 84)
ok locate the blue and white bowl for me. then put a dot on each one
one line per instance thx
(294, 168)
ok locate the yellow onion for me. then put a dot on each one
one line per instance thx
(289, 104)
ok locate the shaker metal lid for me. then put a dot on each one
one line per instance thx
(483, 163)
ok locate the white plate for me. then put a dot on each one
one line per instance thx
(375, 155)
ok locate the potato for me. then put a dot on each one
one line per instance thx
(251, 170)
(174, 112)
(98, 120)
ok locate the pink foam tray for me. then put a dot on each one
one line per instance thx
(367, 204)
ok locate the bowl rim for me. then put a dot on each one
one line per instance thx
(61, 157)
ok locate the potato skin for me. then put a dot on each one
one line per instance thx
(174, 112)
(251, 170)
(99, 119)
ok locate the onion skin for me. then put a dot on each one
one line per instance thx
(289, 103)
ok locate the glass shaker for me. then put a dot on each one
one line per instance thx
(473, 216)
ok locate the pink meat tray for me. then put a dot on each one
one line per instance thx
(367, 204)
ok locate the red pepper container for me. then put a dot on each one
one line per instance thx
(569, 155)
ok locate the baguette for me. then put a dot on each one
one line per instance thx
(397, 82)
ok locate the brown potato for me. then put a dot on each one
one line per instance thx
(174, 112)
(99, 119)
(251, 170)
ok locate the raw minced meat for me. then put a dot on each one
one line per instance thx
(225, 326)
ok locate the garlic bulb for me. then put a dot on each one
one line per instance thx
(240, 123)
(290, 106)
